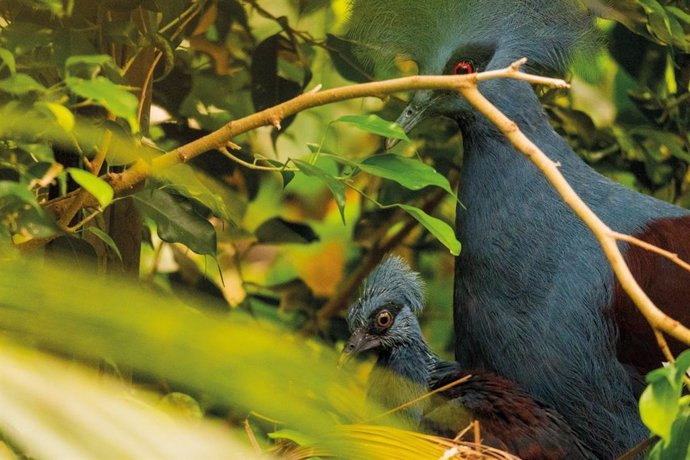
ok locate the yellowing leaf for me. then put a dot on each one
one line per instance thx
(62, 114)
(320, 265)
(20, 84)
(111, 96)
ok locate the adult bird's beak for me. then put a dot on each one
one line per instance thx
(359, 341)
(421, 107)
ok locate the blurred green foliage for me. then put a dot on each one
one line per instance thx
(629, 111)
(282, 230)
(240, 365)
(666, 411)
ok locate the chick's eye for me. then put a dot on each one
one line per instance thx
(384, 319)
(463, 68)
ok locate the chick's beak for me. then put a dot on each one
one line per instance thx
(359, 341)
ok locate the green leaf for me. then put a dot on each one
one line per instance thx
(183, 178)
(23, 37)
(103, 236)
(62, 114)
(18, 191)
(375, 125)
(123, 31)
(277, 230)
(96, 186)
(344, 60)
(336, 187)
(57, 7)
(41, 152)
(268, 86)
(177, 223)
(680, 14)
(88, 59)
(319, 149)
(8, 59)
(165, 47)
(111, 96)
(441, 230)
(679, 446)
(659, 406)
(287, 175)
(662, 143)
(663, 373)
(19, 207)
(683, 362)
(20, 84)
(408, 172)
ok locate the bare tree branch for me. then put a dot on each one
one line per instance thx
(466, 85)
(126, 181)
(657, 319)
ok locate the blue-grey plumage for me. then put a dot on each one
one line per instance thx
(384, 320)
(535, 299)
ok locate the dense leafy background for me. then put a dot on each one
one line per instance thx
(87, 87)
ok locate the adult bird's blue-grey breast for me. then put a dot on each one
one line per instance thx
(535, 298)
(384, 320)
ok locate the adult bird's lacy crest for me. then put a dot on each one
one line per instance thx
(384, 321)
(535, 298)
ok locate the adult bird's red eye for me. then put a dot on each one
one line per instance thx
(384, 319)
(463, 68)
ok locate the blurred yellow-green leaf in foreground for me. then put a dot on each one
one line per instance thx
(55, 408)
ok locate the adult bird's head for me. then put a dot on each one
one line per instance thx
(384, 316)
(463, 36)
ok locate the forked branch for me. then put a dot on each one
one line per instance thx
(273, 116)
(657, 319)
(466, 85)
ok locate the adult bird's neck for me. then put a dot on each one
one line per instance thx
(511, 222)
(487, 151)
(527, 259)
(497, 180)
(402, 375)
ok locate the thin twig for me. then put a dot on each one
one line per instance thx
(157, 252)
(252, 437)
(94, 168)
(663, 346)
(657, 319)
(53, 171)
(639, 449)
(466, 85)
(159, 54)
(85, 221)
(272, 116)
(421, 398)
(673, 257)
(463, 432)
(477, 434)
(254, 166)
